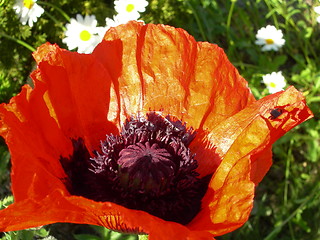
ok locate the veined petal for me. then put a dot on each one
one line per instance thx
(69, 101)
(227, 207)
(35, 144)
(60, 208)
(243, 142)
(78, 90)
(252, 128)
(138, 68)
(163, 68)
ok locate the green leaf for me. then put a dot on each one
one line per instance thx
(6, 202)
(279, 60)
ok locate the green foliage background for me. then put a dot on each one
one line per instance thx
(288, 199)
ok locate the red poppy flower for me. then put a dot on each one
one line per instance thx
(151, 133)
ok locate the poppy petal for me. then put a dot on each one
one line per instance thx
(164, 68)
(227, 207)
(245, 139)
(138, 68)
(67, 76)
(52, 105)
(251, 128)
(59, 208)
(26, 125)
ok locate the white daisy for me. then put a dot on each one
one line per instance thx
(82, 33)
(28, 11)
(270, 37)
(275, 81)
(317, 10)
(130, 8)
(101, 31)
(117, 20)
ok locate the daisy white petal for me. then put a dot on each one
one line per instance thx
(28, 11)
(116, 20)
(270, 37)
(317, 9)
(131, 8)
(275, 81)
(82, 33)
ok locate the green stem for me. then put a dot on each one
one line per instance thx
(198, 21)
(273, 15)
(66, 16)
(55, 20)
(26, 45)
(303, 44)
(314, 195)
(230, 15)
(311, 49)
(314, 99)
(291, 231)
(287, 173)
(230, 42)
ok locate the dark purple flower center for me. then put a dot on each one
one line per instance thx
(145, 168)
(148, 167)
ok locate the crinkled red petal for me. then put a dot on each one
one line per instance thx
(148, 67)
(157, 67)
(35, 143)
(243, 142)
(78, 89)
(57, 207)
(251, 127)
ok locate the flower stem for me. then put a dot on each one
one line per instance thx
(197, 20)
(63, 13)
(271, 9)
(230, 15)
(55, 20)
(315, 194)
(230, 42)
(26, 45)
(287, 174)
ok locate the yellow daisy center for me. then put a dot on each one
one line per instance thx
(273, 85)
(85, 35)
(28, 3)
(269, 41)
(130, 7)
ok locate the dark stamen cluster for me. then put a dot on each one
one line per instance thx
(147, 167)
